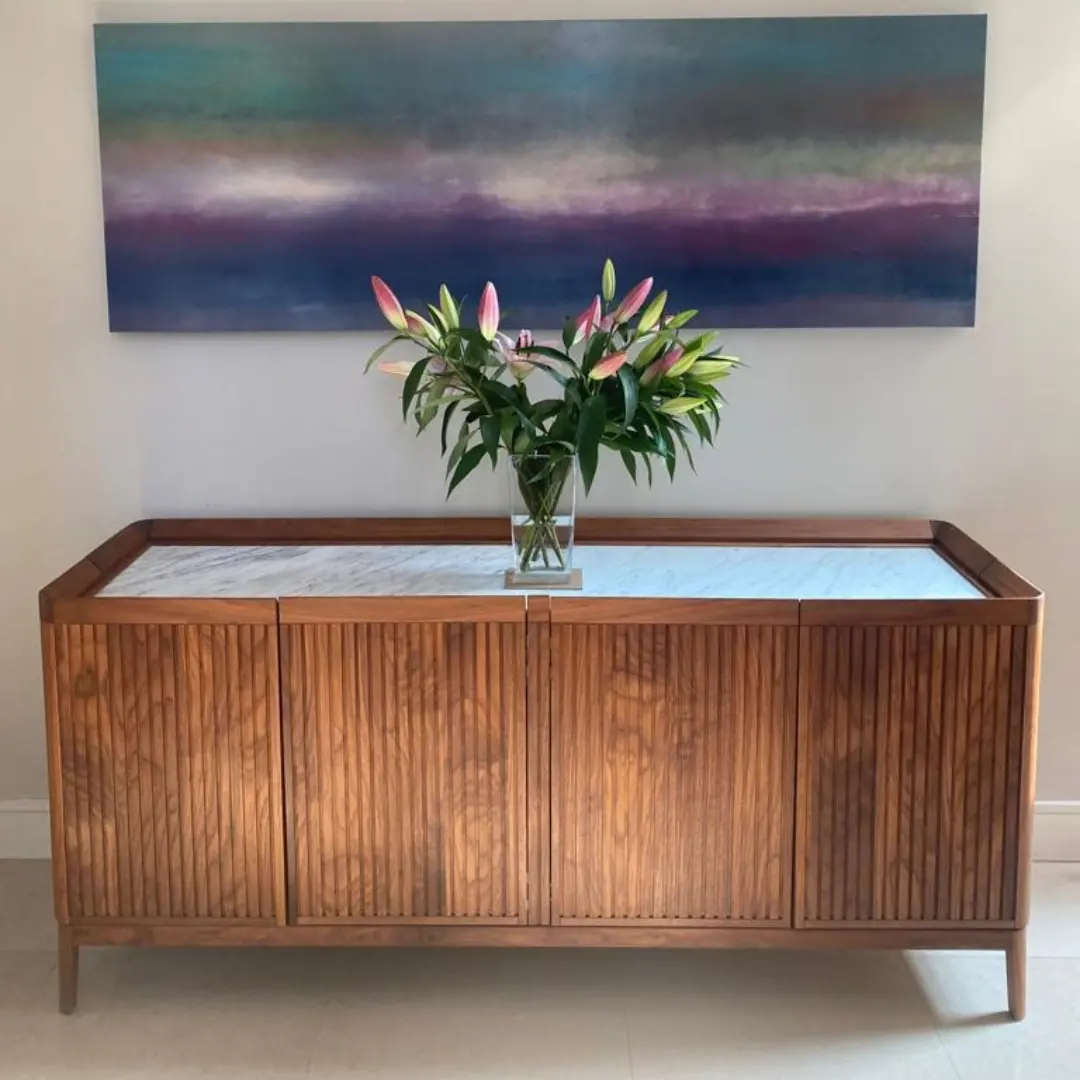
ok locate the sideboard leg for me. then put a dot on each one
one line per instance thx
(68, 971)
(1016, 974)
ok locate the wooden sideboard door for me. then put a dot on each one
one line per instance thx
(405, 736)
(911, 757)
(165, 746)
(672, 762)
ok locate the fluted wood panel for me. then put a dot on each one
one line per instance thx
(673, 772)
(910, 772)
(170, 766)
(407, 770)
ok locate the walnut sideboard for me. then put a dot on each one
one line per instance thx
(741, 734)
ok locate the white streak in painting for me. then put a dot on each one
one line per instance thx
(737, 182)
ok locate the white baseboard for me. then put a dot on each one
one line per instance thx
(24, 830)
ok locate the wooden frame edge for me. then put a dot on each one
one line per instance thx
(540, 937)
(589, 530)
(984, 568)
(501, 608)
(94, 570)
(1028, 759)
(696, 612)
(138, 610)
(57, 825)
(984, 611)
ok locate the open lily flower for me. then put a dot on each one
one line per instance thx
(632, 301)
(488, 312)
(516, 355)
(389, 304)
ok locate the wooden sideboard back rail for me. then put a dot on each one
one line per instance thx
(537, 770)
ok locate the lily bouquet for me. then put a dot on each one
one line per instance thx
(626, 375)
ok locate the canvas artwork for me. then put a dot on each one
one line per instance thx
(770, 172)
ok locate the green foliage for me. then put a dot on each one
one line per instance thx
(485, 386)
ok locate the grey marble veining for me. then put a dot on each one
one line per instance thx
(710, 572)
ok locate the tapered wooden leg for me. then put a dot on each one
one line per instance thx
(1016, 974)
(68, 971)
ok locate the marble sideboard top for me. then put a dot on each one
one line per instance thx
(676, 572)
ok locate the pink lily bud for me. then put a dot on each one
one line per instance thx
(524, 341)
(388, 303)
(587, 322)
(633, 300)
(609, 365)
(659, 368)
(607, 322)
(488, 312)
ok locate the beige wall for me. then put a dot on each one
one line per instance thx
(981, 427)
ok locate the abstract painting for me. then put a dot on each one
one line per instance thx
(770, 172)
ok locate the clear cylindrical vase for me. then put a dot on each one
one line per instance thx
(543, 489)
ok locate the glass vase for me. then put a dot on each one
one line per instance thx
(543, 490)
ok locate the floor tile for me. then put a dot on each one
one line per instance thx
(967, 997)
(451, 1015)
(785, 1015)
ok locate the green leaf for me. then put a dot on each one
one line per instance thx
(490, 431)
(459, 447)
(701, 426)
(680, 434)
(648, 467)
(469, 460)
(630, 463)
(449, 308)
(590, 429)
(681, 320)
(550, 353)
(502, 393)
(412, 384)
(446, 423)
(663, 438)
(375, 356)
(628, 379)
(607, 281)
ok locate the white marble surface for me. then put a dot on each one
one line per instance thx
(712, 572)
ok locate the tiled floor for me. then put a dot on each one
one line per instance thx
(490, 1015)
